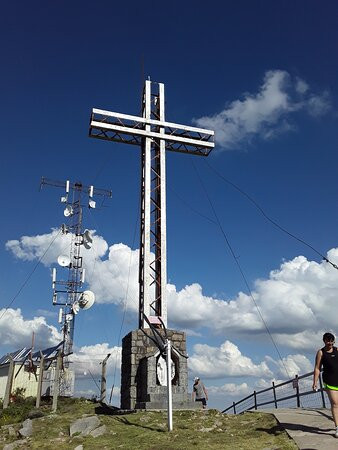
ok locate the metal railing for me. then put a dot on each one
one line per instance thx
(295, 388)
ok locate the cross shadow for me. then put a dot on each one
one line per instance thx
(126, 422)
(109, 410)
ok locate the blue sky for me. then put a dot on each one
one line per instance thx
(263, 75)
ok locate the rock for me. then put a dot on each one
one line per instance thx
(79, 447)
(11, 431)
(98, 431)
(27, 428)
(14, 445)
(206, 430)
(35, 414)
(84, 426)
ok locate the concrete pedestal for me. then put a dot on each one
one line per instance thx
(140, 373)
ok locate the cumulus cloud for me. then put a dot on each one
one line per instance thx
(86, 360)
(267, 112)
(292, 365)
(293, 299)
(51, 245)
(307, 340)
(230, 389)
(226, 360)
(16, 331)
(107, 274)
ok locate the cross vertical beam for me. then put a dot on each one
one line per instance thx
(152, 270)
(154, 135)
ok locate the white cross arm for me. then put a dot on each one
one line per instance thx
(177, 137)
(151, 134)
(159, 123)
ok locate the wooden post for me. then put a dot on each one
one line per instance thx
(234, 406)
(104, 380)
(274, 394)
(9, 383)
(321, 390)
(38, 394)
(56, 386)
(255, 397)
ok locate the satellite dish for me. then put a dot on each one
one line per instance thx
(87, 240)
(68, 211)
(86, 299)
(64, 261)
(92, 204)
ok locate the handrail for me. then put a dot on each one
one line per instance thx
(275, 400)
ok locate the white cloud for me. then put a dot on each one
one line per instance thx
(52, 245)
(86, 393)
(226, 360)
(230, 389)
(318, 105)
(16, 331)
(307, 340)
(301, 86)
(265, 113)
(86, 360)
(108, 278)
(292, 365)
(293, 299)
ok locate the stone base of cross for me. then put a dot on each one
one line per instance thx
(154, 135)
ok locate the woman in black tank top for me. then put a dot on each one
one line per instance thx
(327, 357)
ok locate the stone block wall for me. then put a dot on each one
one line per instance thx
(140, 387)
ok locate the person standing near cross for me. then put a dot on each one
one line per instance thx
(199, 392)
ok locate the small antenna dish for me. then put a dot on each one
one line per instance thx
(76, 307)
(54, 277)
(64, 199)
(64, 261)
(83, 274)
(68, 211)
(86, 299)
(92, 204)
(87, 240)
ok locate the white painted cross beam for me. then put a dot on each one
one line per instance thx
(154, 135)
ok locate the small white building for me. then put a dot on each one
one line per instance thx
(26, 378)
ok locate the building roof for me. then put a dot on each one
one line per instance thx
(21, 355)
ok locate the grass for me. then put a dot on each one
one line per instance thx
(148, 430)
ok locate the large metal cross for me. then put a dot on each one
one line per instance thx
(154, 135)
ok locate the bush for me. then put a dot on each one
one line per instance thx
(18, 410)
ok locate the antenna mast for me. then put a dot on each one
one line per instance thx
(72, 297)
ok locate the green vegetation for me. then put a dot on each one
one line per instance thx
(148, 429)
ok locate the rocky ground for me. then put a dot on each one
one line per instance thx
(81, 424)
